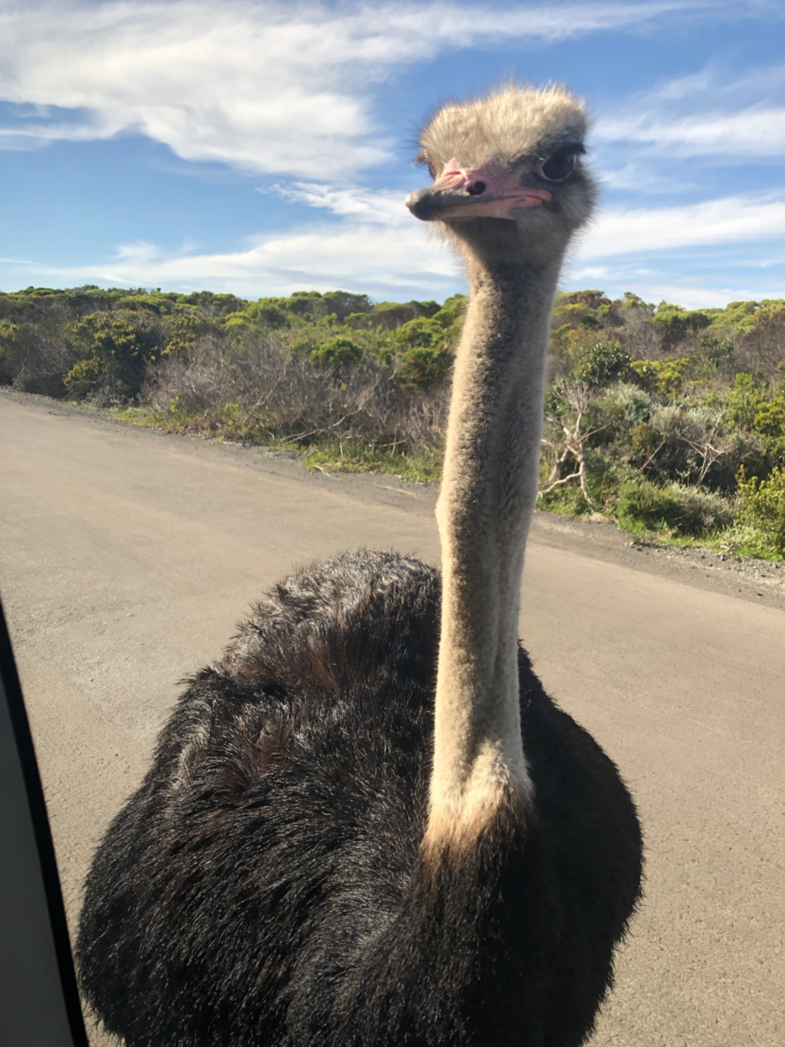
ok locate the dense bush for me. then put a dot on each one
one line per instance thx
(268, 393)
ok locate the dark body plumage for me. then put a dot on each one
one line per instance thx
(266, 885)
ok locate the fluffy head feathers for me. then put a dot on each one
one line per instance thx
(506, 126)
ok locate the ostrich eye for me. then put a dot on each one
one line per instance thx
(422, 161)
(557, 167)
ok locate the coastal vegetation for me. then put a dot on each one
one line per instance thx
(668, 420)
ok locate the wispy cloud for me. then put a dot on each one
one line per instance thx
(365, 258)
(263, 86)
(757, 131)
(390, 258)
(734, 118)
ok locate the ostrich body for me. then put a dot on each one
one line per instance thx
(368, 824)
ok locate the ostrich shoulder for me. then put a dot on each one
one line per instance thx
(327, 623)
(344, 646)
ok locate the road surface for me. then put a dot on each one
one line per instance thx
(127, 557)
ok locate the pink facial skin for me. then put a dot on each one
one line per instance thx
(502, 192)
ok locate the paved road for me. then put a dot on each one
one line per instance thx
(126, 558)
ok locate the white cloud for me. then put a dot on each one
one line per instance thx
(586, 272)
(382, 206)
(713, 222)
(264, 86)
(139, 253)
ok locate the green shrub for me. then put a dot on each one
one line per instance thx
(642, 503)
(392, 315)
(682, 510)
(154, 303)
(671, 375)
(342, 304)
(9, 351)
(665, 377)
(603, 362)
(184, 331)
(34, 358)
(624, 404)
(268, 313)
(115, 349)
(337, 354)
(745, 398)
(763, 508)
(636, 303)
(770, 417)
(423, 367)
(359, 321)
(421, 333)
(677, 323)
(645, 374)
(713, 355)
(304, 303)
(644, 442)
(702, 511)
(452, 312)
(753, 407)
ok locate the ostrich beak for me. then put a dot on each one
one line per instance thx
(481, 192)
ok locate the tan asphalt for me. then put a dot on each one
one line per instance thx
(127, 557)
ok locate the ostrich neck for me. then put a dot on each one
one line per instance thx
(489, 487)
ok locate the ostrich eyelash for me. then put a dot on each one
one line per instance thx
(423, 160)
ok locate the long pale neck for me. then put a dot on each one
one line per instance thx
(488, 492)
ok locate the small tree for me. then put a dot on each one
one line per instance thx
(571, 401)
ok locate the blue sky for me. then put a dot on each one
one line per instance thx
(262, 148)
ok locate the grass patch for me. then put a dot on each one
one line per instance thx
(356, 457)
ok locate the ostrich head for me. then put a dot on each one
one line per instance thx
(508, 172)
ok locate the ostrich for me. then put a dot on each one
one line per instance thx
(368, 824)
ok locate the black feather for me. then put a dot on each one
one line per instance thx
(265, 886)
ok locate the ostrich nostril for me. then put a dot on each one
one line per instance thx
(476, 189)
